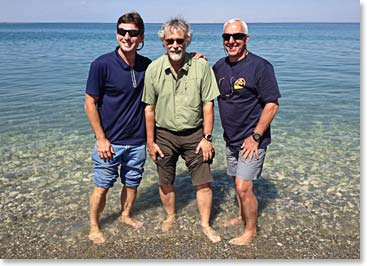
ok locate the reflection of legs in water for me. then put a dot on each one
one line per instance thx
(168, 198)
(248, 205)
(128, 196)
(204, 197)
(96, 205)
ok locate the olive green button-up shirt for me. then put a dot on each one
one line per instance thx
(179, 100)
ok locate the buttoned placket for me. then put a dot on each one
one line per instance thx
(177, 81)
(133, 78)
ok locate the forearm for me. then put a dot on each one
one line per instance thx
(208, 112)
(150, 123)
(266, 117)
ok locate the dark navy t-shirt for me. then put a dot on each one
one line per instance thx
(245, 87)
(119, 88)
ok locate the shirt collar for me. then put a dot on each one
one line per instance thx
(186, 65)
(123, 64)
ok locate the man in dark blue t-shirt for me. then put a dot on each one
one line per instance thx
(116, 114)
(247, 103)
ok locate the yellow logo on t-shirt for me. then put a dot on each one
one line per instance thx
(239, 84)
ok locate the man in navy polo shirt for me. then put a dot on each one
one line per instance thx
(116, 114)
(247, 104)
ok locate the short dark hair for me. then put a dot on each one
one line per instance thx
(133, 18)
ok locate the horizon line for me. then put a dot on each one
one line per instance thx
(285, 22)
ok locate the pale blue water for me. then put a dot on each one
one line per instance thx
(44, 69)
(312, 168)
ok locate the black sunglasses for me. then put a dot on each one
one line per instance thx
(171, 41)
(226, 87)
(236, 36)
(132, 33)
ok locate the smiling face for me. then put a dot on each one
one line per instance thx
(236, 44)
(127, 42)
(175, 44)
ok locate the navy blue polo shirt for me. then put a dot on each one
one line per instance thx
(119, 88)
(245, 87)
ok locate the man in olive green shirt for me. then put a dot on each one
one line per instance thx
(179, 93)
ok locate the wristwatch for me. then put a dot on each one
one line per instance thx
(208, 137)
(256, 136)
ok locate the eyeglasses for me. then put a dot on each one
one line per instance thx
(132, 33)
(172, 41)
(226, 87)
(236, 36)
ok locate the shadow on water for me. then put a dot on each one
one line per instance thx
(148, 198)
(223, 185)
(185, 193)
(264, 190)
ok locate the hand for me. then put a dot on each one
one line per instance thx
(153, 149)
(206, 148)
(198, 55)
(250, 148)
(105, 149)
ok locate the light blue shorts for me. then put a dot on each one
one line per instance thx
(245, 169)
(130, 158)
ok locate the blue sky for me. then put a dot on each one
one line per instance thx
(192, 10)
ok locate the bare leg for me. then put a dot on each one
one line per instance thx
(128, 196)
(168, 198)
(249, 209)
(96, 205)
(238, 219)
(204, 197)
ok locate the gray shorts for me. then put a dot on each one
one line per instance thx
(245, 169)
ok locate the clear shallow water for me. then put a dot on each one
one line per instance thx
(313, 166)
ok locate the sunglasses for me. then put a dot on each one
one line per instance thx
(226, 87)
(132, 33)
(236, 36)
(172, 41)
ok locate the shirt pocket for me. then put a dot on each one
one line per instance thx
(193, 93)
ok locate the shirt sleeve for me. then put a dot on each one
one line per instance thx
(96, 79)
(149, 95)
(209, 88)
(268, 86)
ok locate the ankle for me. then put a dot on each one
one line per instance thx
(205, 225)
(171, 216)
(94, 227)
(250, 232)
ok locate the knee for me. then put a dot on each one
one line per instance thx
(100, 192)
(165, 189)
(204, 188)
(244, 191)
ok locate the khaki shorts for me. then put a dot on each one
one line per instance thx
(174, 144)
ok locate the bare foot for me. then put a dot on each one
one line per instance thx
(129, 221)
(167, 224)
(96, 235)
(211, 234)
(233, 221)
(243, 240)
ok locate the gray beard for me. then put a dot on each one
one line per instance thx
(175, 57)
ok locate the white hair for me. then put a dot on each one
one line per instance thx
(176, 23)
(233, 20)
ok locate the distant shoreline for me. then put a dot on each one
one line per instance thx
(202, 23)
